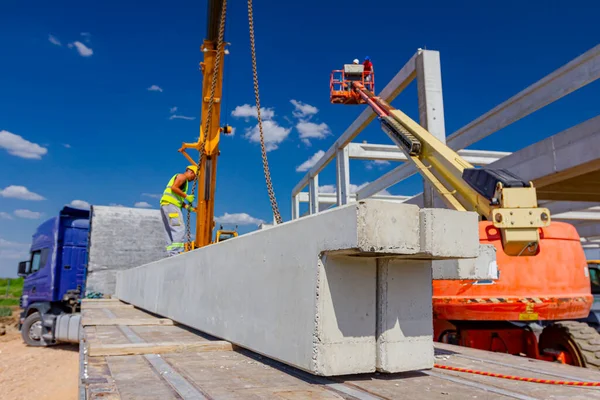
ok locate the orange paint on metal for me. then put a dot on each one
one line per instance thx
(550, 285)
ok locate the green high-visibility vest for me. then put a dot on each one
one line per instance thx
(173, 198)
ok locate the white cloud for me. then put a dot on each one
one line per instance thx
(272, 132)
(116, 205)
(172, 109)
(308, 164)
(13, 250)
(28, 214)
(82, 49)
(327, 189)
(174, 116)
(152, 195)
(52, 39)
(67, 145)
(17, 146)
(80, 204)
(5, 215)
(310, 130)
(303, 110)
(86, 36)
(142, 204)
(155, 88)
(238, 219)
(19, 192)
(376, 163)
(246, 111)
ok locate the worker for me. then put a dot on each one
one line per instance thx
(368, 69)
(172, 201)
(355, 61)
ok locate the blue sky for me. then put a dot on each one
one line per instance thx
(79, 123)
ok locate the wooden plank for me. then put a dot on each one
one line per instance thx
(126, 321)
(91, 301)
(95, 306)
(157, 348)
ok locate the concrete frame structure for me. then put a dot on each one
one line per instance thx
(577, 158)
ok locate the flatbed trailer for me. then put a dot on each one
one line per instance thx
(127, 353)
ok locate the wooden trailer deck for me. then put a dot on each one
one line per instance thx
(126, 353)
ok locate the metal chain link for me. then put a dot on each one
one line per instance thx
(274, 206)
(211, 102)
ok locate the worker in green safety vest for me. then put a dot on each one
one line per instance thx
(172, 201)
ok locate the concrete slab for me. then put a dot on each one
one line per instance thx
(121, 238)
(305, 292)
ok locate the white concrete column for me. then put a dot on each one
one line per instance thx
(313, 197)
(431, 104)
(295, 207)
(343, 175)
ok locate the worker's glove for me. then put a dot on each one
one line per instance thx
(192, 209)
(190, 198)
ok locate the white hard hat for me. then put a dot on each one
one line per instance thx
(355, 61)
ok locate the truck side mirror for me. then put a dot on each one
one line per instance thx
(22, 268)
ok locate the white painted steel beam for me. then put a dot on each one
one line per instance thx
(391, 152)
(572, 76)
(391, 91)
(578, 216)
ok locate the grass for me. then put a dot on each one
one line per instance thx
(9, 301)
(5, 312)
(14, 287)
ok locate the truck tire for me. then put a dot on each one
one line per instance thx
(32, 329)
(578, 339)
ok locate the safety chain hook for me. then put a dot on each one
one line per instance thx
(211, 102)
(274, 206)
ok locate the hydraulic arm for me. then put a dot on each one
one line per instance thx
(496, 195)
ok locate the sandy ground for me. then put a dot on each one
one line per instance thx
(36, 373)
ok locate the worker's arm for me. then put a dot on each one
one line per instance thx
(179, 181)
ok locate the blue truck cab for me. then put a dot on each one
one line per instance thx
(54, 278)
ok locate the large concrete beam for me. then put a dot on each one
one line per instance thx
(305, 292)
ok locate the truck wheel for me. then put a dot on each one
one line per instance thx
(580, 341)
(31, 331)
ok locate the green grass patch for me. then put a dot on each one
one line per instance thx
(9, 302)
(15, 287)
(5, 312)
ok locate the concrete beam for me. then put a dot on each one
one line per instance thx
(570, 77)
(588, 229)
(298, 293)
(402, 79)
(391, 152)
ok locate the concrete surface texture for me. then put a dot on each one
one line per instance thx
(305, 292)
(121, 238)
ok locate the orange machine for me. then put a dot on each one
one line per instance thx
(543, 275)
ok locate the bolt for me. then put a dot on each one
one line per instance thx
(544, 217)
(512, 222)
(498, 217)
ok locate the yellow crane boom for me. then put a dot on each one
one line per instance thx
(210, 130)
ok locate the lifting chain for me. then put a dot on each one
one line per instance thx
(262, 139)
(211, 102)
